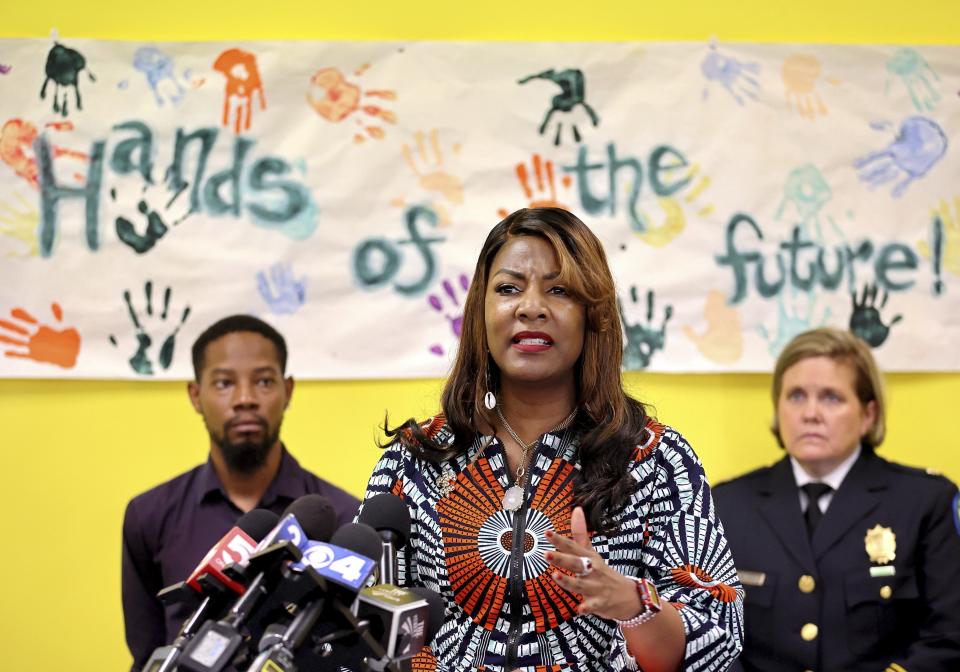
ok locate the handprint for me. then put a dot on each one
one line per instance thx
(947, 226)
(807, 191)
(156, 228)
(40, 342)
(20, 223)
(572, 94)
(800, 73)
(865, 320)
(454, 312)
(428, 166)
(243, 83)
(722, 342)
(919, 144)
(287, 293)
(792, 322)
(737, 77)
(334, 98)
(915, 74)
(542, 192)
(643, 340)
(64, 66)
(16, 148)
(158, 68)
(141, 362)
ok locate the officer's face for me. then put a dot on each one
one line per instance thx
(821, 419)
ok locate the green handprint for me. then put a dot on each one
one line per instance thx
(141, 362)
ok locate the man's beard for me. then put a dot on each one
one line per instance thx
(246, 457)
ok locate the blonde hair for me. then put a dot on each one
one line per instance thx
(840, 346)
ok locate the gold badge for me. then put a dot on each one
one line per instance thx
(881, 544)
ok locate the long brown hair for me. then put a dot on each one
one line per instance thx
(610, 422)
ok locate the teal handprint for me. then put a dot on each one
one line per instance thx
(141, 361)
(916, 75)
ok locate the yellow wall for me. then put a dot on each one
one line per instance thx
(77, 451)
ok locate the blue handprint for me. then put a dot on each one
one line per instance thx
(287, 293)
(915, 74)
(157, 67)
(919, 144)
(737, 77)
(453, 313)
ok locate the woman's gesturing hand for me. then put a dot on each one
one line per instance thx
(606, 592)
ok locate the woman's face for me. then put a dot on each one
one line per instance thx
(535, 328)
(821, 418)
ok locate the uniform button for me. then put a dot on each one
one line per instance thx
(886, 592)
(806, 584)
(809, 632)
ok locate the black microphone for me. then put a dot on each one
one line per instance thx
(215, 589)
(217, 642)
(331, 592)
(388, 515)
(401, 620)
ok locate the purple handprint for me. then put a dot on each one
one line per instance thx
(158, 68)
(919, 144)
(737, 77)
(454, 315)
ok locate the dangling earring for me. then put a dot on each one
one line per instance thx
(489, 400)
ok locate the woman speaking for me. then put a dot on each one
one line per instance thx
(563, 526)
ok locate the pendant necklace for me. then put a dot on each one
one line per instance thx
(513, 497)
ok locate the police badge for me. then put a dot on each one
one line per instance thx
(880, 544)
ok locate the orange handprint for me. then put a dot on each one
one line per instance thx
(243, 82)
(42, 343)
(334, 98)
(722, 341)
(800, 73)
(16, 148)
(428, 166)
(542, 193)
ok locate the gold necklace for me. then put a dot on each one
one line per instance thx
(513, 497)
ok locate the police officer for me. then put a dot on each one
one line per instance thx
(850, 562)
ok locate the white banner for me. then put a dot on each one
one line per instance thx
(342, 191)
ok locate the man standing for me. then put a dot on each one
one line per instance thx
(241, 391)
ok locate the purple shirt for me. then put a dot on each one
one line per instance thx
(168, 529)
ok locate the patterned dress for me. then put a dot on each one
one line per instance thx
(503, 611)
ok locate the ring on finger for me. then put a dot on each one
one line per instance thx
(587, 567)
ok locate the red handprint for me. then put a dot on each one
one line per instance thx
(16, 148)
(243, 82)
(42, 343)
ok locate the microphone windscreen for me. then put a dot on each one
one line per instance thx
(315, 515)
(258, 523)
(385, 512)
(359, 538)
(435, 620)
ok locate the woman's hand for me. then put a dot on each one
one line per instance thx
(606, 592)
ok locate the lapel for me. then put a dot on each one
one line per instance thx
(780, 507)
(860, 493)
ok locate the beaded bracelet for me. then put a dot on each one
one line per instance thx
(649, 610)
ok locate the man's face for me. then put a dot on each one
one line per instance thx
(242, 396)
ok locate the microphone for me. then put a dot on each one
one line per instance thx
(217, 642)
(388, 515)
(402, 621)
(209, 581)
(346, 562)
